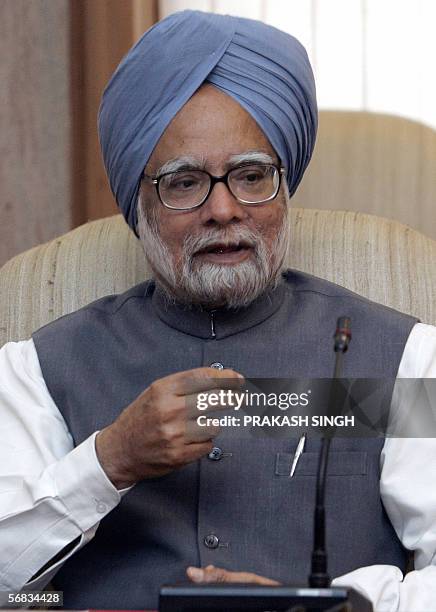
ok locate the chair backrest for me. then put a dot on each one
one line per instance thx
(381, 259)
(373, 163)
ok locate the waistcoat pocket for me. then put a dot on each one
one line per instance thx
(341, 463)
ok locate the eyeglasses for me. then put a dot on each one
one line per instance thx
(249, 184)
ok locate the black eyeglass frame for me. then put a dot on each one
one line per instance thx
(213, 181)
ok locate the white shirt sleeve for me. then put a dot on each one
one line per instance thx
(408, 491)
(51, 493)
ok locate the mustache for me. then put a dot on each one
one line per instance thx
(229, 237)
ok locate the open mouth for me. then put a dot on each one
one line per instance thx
(222, 249)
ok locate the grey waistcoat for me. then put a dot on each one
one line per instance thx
(100, 358)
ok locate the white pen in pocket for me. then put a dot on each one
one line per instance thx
(298, 452)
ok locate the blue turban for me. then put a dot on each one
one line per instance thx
(264, 69)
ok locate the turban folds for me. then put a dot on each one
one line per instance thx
(264, 69)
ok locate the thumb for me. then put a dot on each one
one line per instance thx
(218, 574)
(207, 574)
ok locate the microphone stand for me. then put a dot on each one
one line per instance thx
(319, 577)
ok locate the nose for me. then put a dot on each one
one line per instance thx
(222, 207)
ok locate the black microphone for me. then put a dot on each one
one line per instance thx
(319, 577)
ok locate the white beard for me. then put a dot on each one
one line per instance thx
(209, 284)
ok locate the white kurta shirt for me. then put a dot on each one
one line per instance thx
(52, 493)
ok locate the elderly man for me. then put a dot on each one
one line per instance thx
(206, 129)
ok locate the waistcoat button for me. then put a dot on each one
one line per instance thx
(211, 541)
(217, 365)
(215, 454)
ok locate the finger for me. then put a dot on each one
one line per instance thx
(202, 379)
(197, 450)
(217, 574)
(200, 433)
(213, 401)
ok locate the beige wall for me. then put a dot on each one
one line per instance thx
(35, 149)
